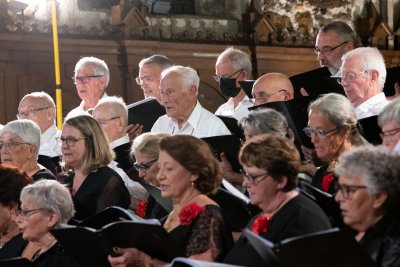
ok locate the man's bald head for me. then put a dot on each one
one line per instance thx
(272, 87)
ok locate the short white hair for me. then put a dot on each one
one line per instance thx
(99, 66)
(117, 107)
(188, 75)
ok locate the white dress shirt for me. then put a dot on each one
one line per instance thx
(228, 108)
(120, 141)
(372, 106)
(48, 143)
(79, 110)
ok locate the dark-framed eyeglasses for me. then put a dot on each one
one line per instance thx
(321, 133)
(255, 179)
(11, 145)
(350, 77)
(69, 140)
(264, 98)
(218, 78)
(27, 213)
(29, 112)
(85, 79)
(347, 191)
(105, 121)
(145, 166)
(327, 50)
(141, 80)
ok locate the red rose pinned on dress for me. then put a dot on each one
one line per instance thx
(261, 224)
(327, 181)
(189, 213)
(141, 208)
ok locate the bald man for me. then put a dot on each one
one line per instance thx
(272, 87)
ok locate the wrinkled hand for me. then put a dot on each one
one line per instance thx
(134, 130)
(396, 92)
(303, 92)
(311, 156)
(128, 257)
(307, 168)
(227, 172)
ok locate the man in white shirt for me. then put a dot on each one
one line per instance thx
(39, 107)
(232, 66)
(179, 87)
(91, 79)
(272, 87)
(363, 75)
(112, 115)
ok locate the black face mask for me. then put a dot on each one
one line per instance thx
(228, 87)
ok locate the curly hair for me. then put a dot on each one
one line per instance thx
(11, 183)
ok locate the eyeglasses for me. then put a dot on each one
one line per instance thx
(264, 98)
(218, 78)
(141, 80)
(347, 191)
(145, 166)
(254, 180)
(350, 77)
(321, 133)
(29, 112)
(104, 122)
(11, 145)
(27, 213)
(85, 79)
(327, 50)
(388, 135)
(69, 140)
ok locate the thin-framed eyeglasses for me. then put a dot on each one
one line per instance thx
(218, 78)
(105, 121)
(85, 79)
(25, 214)
(29, 112)
(388, 135)
(145, 166)
(321, 133)
(264, 98)
(11, 145)
(69, 140)
(347, 191)
(141, 80)
(350, 77)
(254, 180)
(327, 50)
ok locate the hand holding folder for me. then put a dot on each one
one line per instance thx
(145, 112)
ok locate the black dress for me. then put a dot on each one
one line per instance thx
(206, 230)
(318, 179)
(297, 217)
(43, 174)
(99, 190)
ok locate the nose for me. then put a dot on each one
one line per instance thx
(160, 175)
(245, 183)
(320, 56)
(314, 138)
(142, 173)
(338, 196)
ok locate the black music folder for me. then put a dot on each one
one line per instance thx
(247, 86)
(90, 247)
(392, 77)
(232, 125)
(370, 130)
(145, 112)
(16, 262)
(315, 82)
(186, 262)
(329, 248)
(155, 192)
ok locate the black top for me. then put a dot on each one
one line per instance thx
(43, 174)
(100, 189)
(55, 256)
(319, 177)
(52, 164)
(207, 230)
(122, 156)
(154, 210)
(297, 217)
(382, 241)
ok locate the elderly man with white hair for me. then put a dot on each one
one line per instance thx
(363, 75)
(179, 88)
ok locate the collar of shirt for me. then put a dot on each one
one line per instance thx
(120, 141)
(372, 106)
(192, 120)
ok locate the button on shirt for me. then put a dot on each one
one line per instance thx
(228, 108)
(201, 123)
(371, 107)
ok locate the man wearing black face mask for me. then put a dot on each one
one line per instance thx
(233, 65)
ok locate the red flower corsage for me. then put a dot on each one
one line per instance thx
(141, 208)
(327, 181)
(189, 213)
(261, 224)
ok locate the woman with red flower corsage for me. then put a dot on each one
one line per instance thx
(188, 172)
(332, 127)
(271, 164)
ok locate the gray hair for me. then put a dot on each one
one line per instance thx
(391, 113)
(160, 60)
(340, 112)
(52, 196)
(148, 144)
(342, 30)
(43, 97)
(370, 59)
(100, 67)
(377, 166)
(265, 121)
(117, 107)
(239, 59)
(188, 75)
(27, 130)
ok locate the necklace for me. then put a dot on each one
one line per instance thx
(44, 248)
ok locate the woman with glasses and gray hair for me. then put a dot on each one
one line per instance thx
(368, 191)
(389, 121)
(44, 206)
(19, 146)
(332, 128)
(94, 186)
